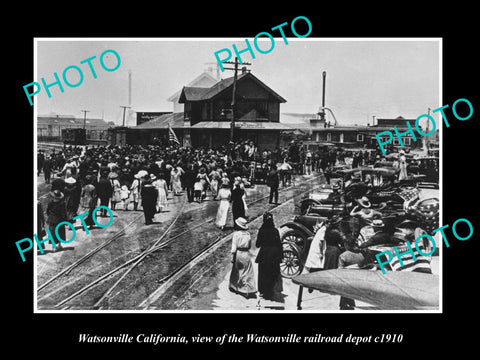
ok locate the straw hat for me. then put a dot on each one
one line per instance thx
(242, 223)
(153, 177)
(378, 223)
(70, 180)
(364, 202)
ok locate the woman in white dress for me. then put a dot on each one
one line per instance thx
(403, 166)
(203, 178)
(176, 182)
(214, 182)
(224, 195)
(135, 191)
(161, 186)
(116, 197)
(242, 277)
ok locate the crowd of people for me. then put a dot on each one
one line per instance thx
(135, 176)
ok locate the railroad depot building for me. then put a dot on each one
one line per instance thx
(206, 119)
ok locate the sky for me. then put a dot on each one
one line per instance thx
(385, 78)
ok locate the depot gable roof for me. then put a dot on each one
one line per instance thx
(201, 94)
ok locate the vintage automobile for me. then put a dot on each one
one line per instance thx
(297, 234)
(258, 172)
(378, 184)
(426, 171)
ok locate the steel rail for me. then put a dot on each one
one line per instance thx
(155, 247)
(89, 254)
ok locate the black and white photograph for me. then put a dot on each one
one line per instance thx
(279, 174)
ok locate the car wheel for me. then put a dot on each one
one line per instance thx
(292, 236)
(290, 265)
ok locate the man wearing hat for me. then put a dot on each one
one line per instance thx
(149, 200)
(104, 192)
(189, 178)
(47, 169)
(335, 197)
(273, 182)
(381, 236)
(56, 211)
(72, 192)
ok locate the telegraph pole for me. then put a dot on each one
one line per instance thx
(428, 129)
(232, 124)
(124, 107)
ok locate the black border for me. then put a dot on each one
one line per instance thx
(426, 331)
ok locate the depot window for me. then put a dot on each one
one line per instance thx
(360, 138)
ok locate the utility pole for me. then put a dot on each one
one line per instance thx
(428, 130)
(84, 117)
(232, 124)
(124, 107)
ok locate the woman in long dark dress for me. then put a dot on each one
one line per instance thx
(269, 257)
(149, 200)
(238, 206)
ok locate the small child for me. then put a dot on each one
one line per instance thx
(125, 196)
(197, 191)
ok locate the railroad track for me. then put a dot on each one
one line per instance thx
(164, 242)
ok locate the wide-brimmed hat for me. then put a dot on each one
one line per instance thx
(364, 202)
(378, 223)
(241, 223)
(153, 177)
(137, 176)
(142, 173)
(113, 175)
(70, 180)
(336, 186)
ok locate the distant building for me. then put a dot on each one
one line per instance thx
(361, 136)
(205, 80)
(49, 127)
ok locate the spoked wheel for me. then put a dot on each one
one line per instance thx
(293, 236)
(290, 265)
